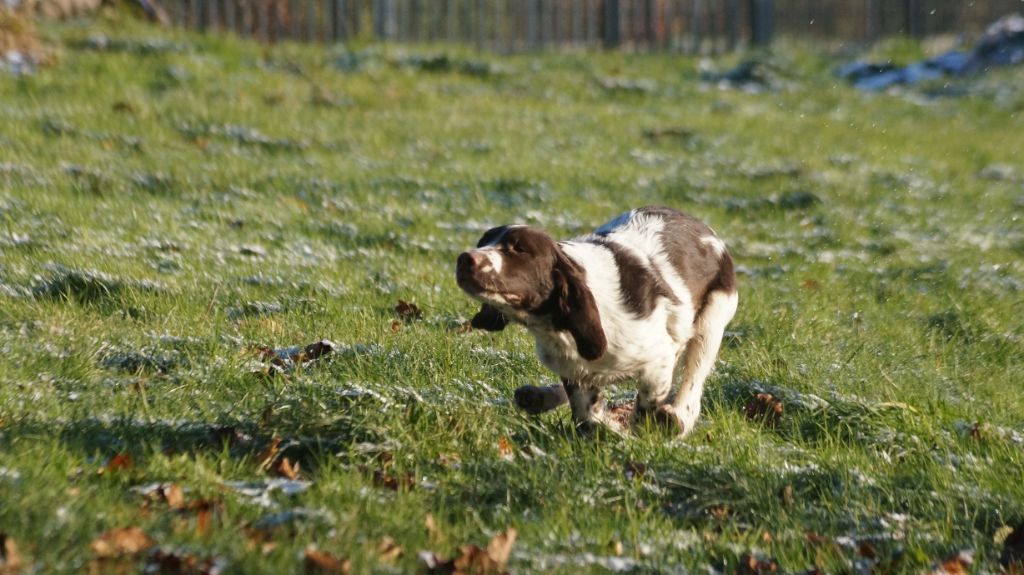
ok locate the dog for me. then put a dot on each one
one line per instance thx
(644, 294)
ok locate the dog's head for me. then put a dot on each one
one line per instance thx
(519, 272)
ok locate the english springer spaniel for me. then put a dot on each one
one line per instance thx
(628, 301)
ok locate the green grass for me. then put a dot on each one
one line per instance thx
(881, 295)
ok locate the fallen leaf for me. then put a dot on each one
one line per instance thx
(392, 481)
(811, 285)
(786, 495)
(408, 311)
(119, 462)
(634, 470)
(720, 512)
(121, 541)
(816, 539)
(500, 548)
(169, 563)
(266, 457)
(318, 562)
(752, 565)
(10, 558)
(396, 326)
(955, 565)
(616, 548)
(389, 550)
(432, 529)
(473, 559)
(505, 450)
(172, 495)
(764, 407)
(287, 470)
(204, 510)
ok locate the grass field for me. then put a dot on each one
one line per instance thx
(172, 204)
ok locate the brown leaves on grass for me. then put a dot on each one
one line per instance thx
(119, 462)
(169, 563)
(318, 562)
(389, 550)
(120, 542)
(955, 565)
(10, 558)
(286, 470)
(753, 565)
(473, 559)
(408, 311)
(764, 407)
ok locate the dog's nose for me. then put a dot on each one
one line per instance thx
(468, 261)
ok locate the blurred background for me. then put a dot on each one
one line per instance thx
(688, 26)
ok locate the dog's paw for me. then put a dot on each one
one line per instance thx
(663, 417)
(534, 400)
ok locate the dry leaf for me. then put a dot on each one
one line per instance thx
(811, 285)
(396, 326)
(500, 548)
(634, 470)
(786, 495)
(171, 494)
(955, 565)
(505, 449)
(321, 562)
(121, 541)
(751, 565)
(266, 457)
(432, 529)
(119, 462)
(764, 407)
(720, 512)
(391, 481)
(389, 550)
(184, 563)
(204, 513)
(10, 559)
(287, 470)
(473, 559)
(408, 311)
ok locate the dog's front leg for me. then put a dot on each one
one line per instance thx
(653, 398)
(587, 405)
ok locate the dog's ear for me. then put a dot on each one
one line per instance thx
(577, 310)
(489, 319)
(490, 235)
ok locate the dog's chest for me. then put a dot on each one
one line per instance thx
(557, 351)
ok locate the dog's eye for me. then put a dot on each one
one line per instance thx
(515, 247)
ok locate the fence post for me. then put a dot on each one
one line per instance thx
(612, 24)
(762, 25)
(382, 16)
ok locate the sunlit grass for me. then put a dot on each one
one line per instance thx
(168, 209)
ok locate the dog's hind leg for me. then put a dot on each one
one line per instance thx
(587, 405)
(537, 399)
(701, 352)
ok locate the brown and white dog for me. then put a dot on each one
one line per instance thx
(651, 290)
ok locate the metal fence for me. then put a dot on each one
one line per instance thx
(691, 26)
